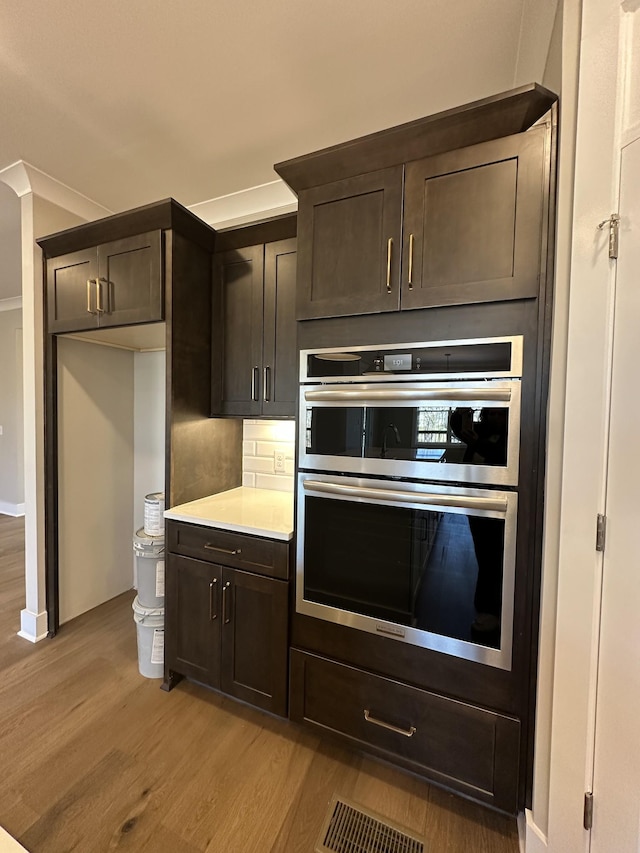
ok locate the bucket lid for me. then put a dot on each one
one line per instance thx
(143, 540)
(141, 613)
(155, 496)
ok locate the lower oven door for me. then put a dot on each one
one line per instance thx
(420, 563)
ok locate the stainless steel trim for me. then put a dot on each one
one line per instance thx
(366, 393)
(212, 585)
(231, 553)
(225, 589)
(376, 722)
(402, 496)
(515, 371)
(500, 658)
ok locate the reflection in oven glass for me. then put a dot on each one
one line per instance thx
(425, 433)
(435, 571)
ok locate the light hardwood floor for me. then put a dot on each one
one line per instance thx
(96, 758)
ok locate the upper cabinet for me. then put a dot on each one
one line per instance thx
(114, 284)
(253, 324)
(463, 223)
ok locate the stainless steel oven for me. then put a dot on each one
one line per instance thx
(407, 492)
(395, 411)
(411, 561)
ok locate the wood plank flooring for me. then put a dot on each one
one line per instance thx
(96, 758)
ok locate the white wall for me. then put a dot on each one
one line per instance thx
(11, 419)
(95, 474)
(149, 429)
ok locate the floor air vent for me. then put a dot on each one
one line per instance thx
(352, 829)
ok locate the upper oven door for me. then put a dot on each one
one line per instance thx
(456, 432)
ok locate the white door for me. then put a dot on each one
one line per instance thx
(595, 741)
(616, 777)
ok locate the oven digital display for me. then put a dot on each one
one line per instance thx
(397, 361)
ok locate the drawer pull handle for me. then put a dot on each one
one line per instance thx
(406, 732)
(389, 250)
(233, 553)
(212, 615)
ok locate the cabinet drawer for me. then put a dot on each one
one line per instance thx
(262, 556)
(458, 745)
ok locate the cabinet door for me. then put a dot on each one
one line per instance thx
(130, 283)
(237, 331)
(193, 619)
(280, 378)
(349, 246)
(255, 639)
(71, 292)
(473, 223)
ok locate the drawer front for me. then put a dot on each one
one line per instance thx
(240, 551)
(461, 746)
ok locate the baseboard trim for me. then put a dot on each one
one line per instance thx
(33, 626)
(11, 509)
(535, 841)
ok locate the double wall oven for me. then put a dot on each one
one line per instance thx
(407, 494)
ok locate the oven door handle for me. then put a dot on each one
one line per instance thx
(418, 394)
(398, 496)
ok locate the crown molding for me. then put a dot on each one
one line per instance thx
(249, 205)
(23, 178)
(12, 304)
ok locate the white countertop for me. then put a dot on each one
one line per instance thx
(260, 512)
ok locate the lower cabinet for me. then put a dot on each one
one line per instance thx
(227, 628)
(461, 746)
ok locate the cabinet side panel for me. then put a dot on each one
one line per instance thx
(205, 454)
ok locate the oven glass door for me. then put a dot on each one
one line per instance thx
(432, 566)
(466, 433)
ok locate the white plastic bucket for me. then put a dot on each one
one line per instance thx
(149, 553)
(154, 514)
(150, 629)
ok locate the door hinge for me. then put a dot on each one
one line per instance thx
(588, 810)
(614, 226)
(601, 532)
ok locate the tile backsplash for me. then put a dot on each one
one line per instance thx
(262, 441)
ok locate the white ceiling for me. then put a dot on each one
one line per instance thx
(130, 102)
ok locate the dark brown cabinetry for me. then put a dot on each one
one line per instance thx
(228, 627)
(114, 284)
(132, 269)
(464, 747)
(451, 216)
(446, 210)
(253, 327)
(466, 227)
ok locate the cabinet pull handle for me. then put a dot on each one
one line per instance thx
(410, 282)
(254, 384)
(389, 250)
(99, 308)
(89, 283)
(231, 553)
(107, 302)
(225, 589)
(406, 732)
(212, 585)
(266, 390)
